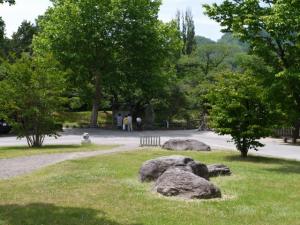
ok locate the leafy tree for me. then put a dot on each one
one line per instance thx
(21, 41)
(30, 94)
(11, 2)
(211, 57)
(239, 108)
(106, 44)
(272, 29)
(186, 26)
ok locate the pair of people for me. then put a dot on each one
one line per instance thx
(124, 123)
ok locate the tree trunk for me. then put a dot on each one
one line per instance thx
(244, 149)
(96, 102)
(296, 132)
(244, 153)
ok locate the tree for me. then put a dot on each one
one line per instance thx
(21, 41)
(186, 26)
(239, 108)
(106, 44)
(11, 2)
(272, 29)
(30, 95)
(212, 56)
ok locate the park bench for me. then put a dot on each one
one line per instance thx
(150, 141)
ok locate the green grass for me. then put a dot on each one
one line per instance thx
(79, 119)
(17, 151)
(105, 190)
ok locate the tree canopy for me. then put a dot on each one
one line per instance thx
(113, 44)
(30, 95)
(272, 30)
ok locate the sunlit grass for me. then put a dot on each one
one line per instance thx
(105, 190)
(17, 151)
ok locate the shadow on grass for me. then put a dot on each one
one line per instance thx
(281, 165)
(257, 159)
(49, 214)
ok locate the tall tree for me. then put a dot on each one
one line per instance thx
(21, 41)
(186, 25)
(272, 29)
(105, 43)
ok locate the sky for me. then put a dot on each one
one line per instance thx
(30, 9)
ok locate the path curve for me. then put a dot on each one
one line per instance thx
(13, 167)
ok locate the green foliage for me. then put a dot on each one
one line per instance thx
(186, 26)
(239, 108)
(30, 97)
(11, 2)
(22, 39)
(272, 29)
(115, 49)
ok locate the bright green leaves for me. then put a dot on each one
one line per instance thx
(30, 95)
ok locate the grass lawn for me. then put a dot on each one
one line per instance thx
(104, 190)
(16, 151)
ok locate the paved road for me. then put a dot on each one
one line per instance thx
(273, 147)
(22, 165)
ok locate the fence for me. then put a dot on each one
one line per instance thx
(151, 141)
(284, 132)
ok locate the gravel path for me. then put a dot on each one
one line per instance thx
(22, 165)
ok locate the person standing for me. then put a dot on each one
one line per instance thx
(130, 123)
(119, 121)
(139, 123)
(125, 123)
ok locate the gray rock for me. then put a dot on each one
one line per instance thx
(215, 170)
(181, 183)
(185, 144)
(152, 169)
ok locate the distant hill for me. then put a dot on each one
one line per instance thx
(200, 40)
(229, 39)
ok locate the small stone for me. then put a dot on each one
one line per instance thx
(215, 170)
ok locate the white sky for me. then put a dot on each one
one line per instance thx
(30, 9)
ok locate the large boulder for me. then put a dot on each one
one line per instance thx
(185, 144)
(152, 169)
(181, 183)
(215, 170)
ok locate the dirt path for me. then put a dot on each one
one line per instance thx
(22, 165)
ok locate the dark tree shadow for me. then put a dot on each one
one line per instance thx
(260, 159)
(280, 165)
(49, 214)
(286, 169)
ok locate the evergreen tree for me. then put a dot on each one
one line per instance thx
(186, 26)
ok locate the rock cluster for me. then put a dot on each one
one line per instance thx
(182, 177)
(185, 144)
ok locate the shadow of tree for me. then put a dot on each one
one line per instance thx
(286, 169)
(49, 214)
(281, 165)
(260, 159)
